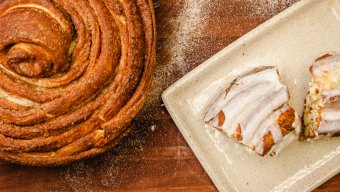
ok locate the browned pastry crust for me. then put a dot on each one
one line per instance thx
(73, 75)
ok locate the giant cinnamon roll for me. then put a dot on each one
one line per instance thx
(73, 75)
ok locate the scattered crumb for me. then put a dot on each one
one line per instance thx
(153, 127)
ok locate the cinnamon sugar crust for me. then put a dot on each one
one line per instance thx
(70, 88)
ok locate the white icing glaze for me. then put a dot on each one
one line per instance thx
(331, 93)
(327, 75)
(253, 102)
(267, 126)
(330, 121)
(259, 111)
(325, 67)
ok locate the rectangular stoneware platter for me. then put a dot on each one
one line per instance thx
(291, 40)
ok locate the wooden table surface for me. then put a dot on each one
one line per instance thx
(155, 156)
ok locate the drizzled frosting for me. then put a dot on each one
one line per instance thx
(250, 108)
(326, 75)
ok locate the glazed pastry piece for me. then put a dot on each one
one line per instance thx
(322, 110)
(254, 111)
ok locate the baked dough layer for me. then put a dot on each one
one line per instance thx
(73, 75)
(254, 110)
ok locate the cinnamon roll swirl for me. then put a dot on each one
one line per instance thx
(73, 75)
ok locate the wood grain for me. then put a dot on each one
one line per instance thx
(155, 157)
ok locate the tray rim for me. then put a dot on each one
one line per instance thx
(253, 34)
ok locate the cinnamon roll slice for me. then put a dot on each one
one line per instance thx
(254, 111)
(322, 109)
(73, 75)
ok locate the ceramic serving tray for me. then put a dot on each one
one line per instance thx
(291, 40)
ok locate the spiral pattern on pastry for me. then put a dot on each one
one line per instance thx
(73, 75)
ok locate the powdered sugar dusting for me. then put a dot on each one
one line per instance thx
(271, 7)
(191, 22)
(185, 30)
